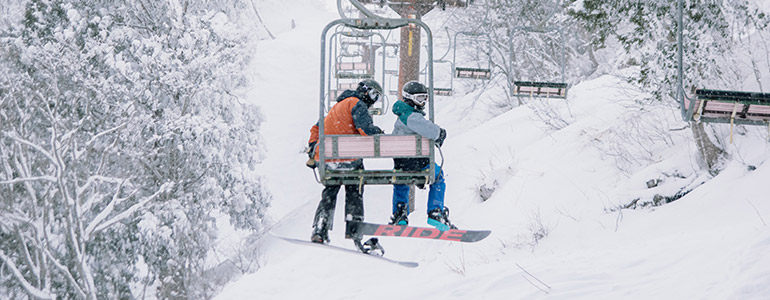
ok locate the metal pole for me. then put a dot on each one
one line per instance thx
(680, 72)
(563, 56)
(321, 110)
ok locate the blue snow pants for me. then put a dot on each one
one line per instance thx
(435, 195)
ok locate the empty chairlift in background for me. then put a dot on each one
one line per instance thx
(352, 59)
(360, 65)
(470, 72)
(540, 89)
(440, 91)
(734, 107)
(719, 106)
(443, 91)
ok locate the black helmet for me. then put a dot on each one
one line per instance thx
(370, 91)
(415, 94)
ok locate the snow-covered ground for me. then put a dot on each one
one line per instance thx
(557, 232)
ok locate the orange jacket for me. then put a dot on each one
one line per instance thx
(348, 116)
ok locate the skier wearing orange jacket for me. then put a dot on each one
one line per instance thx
(350, 115)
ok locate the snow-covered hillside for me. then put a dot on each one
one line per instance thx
(554, 197)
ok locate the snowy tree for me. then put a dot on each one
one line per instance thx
(122, 137)
(647, 32)
(526, 40)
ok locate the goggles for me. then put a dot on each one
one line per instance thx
(418, 99)
(373, 94)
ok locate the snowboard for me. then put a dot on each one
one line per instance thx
(455, 235)
(407, 264)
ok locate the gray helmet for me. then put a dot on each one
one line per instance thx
(370, 91)
(415, 94)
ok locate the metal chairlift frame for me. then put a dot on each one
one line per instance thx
(486, 73)
(718, 106)
(445, 91)
(540, 89)
(332, 42)
(439, 91)
(379, 143)
(393, 90)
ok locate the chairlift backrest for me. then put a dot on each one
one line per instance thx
(540, 89)
(737, 107)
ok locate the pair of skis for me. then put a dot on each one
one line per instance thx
(370, 229)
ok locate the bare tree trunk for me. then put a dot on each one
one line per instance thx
(710, 155)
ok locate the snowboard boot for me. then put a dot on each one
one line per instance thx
(371, 246)
(400, 216)
(351, 230)
(320, 232)
(440, 219)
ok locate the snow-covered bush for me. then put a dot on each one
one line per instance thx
(121, 137)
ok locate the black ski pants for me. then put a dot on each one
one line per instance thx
(354, 201)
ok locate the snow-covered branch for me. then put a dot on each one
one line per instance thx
(126, 213)
(37, 178)
(28, 287)
(30, 144)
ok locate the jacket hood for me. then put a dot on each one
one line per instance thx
(347, 94)
(400, 108)
(351, 93)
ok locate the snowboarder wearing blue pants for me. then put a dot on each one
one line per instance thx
(411, 120)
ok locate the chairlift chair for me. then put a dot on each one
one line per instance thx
(718, 106)
(333, 147)
(729, 107)
(393, 84)
(443, 91)
(541, 89)
(470, 72)
(346, 69)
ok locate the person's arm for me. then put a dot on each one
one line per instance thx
(423, 127)
(313, 135)
(363, 121)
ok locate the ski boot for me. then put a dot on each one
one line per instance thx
(400, 215)
(440, 219)
(372, 246)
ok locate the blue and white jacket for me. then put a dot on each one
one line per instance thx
(412, 121)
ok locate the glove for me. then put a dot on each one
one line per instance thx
(378, 131)
(310, 149)
(441, 137)
(310, 163)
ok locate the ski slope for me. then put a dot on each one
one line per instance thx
(556, 229)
